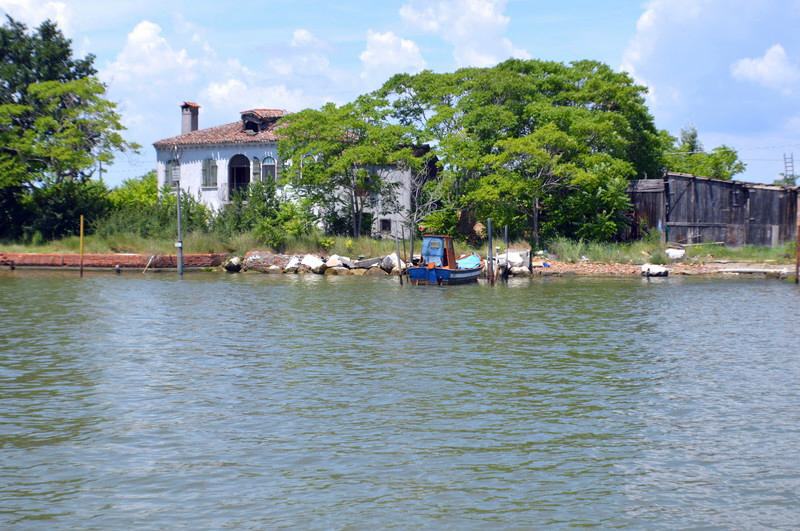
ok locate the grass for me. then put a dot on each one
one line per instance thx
(748, 253)
(638, 252)
(654, 252)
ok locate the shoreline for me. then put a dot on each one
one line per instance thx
(270, 263)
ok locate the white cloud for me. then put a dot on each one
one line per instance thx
(302, 38)
(34, 12)
(772, 70)
(658, 18)
(475, 28)
(148, 58)
(388, 54)
(235, 95)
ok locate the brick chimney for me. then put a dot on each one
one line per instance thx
(189, 113)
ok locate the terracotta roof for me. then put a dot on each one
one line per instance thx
(232, 133)
(266, 113)
(191, 104)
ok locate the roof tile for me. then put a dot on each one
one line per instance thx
(232, 133)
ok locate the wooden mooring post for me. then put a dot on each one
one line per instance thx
(399, 260)
(81, 247)
(490, 258)
(797, 242)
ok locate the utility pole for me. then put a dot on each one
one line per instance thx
(179, 243)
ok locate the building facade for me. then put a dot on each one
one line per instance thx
(213, 163)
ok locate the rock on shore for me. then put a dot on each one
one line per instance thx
(263, 261)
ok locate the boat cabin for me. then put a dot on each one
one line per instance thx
(438, 250)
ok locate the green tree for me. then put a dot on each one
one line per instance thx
(138, 207)
(688, 156)
(526, 138)
(55, 123)
(141, 192)
(786, 180)
(343, 157)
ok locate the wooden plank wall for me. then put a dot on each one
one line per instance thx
(696, 210)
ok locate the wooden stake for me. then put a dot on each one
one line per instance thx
(399, 269)
(507, 270)
(403, 235)
(797, 241)
(81, 245)
(490, 258)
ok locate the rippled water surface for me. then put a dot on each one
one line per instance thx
(269, 401)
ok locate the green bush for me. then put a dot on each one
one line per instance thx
(443, 221)
(54, 209)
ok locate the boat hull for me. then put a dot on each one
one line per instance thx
(437, 276)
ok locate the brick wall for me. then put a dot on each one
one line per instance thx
(108, 261)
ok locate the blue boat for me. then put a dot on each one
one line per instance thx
(439, 265)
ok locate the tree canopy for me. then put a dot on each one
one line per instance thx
(342, 158)
(55, 123)
(687, 155)
(530, 135)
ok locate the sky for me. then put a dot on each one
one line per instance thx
(730, 68)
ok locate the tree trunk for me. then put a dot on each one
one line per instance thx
(353, 213)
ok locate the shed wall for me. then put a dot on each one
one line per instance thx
(689, 209)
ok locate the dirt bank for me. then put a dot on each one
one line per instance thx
(204, 261)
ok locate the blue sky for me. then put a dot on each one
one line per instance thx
(729, 67)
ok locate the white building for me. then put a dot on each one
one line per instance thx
(213, 163)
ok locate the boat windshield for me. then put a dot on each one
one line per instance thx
(433, 251)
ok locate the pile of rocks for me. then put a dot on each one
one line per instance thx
(268, 262)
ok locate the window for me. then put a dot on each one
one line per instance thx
(209, 173)
(386, 225)
(173, 177)
(269, 169)
(256, 169)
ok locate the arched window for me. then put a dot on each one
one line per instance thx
(256, 170)
(269, 169)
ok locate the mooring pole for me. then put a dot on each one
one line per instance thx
(508, 267)
(411, 244)
(81, 246)
(797, 241)
(490, 258)
(179, 243)
(403, 235)
(399, 260)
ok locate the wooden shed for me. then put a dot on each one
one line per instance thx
(691, 209)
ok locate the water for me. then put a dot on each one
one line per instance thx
(274, 401)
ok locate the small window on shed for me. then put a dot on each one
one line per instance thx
(386, 225)
(209, 173)
(269, 169)
(173, 176)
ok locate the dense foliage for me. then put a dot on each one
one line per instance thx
(688, 156)
(543, 147)
(343, 159)
(55, 128)
(533, 144)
